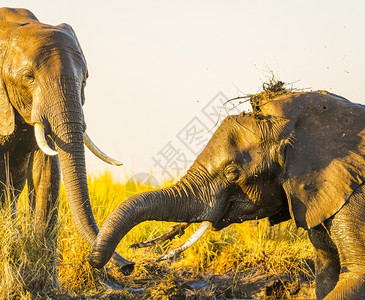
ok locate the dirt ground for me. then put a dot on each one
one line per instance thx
(251, 284)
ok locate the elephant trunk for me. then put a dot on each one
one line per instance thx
(67, 130)
(178, 203)
(72, 161)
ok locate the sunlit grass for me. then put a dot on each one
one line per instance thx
(229, 254)
(27, 258)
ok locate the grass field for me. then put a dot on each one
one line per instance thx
(249, 260)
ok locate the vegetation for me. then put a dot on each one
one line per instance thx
(249, 260)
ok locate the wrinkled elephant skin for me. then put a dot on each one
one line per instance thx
(299, 156)
(42, 85)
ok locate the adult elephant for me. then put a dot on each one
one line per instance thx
(42, 79)
(300, 155)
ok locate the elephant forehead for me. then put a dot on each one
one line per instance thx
(33, 44)
(20, 15)
(36, 34)
(230, 141)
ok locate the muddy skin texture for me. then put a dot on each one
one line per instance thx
(43, 75)
(299, 156)
(340, 251)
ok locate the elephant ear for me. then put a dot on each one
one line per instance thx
(7, 117)
(325, 162)
(10, 19)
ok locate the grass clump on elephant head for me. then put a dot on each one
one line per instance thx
(270, 90)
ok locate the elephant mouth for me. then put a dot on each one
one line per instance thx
(221, 224)
(225, 220)
(237, 204)
(40, 135)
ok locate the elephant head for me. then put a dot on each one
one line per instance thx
(43, 76)
(300, 155)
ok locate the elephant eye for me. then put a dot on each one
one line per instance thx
(232, 173)
(29, 76)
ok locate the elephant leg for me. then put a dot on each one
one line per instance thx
(43, 190)
(12, 179)
(327, 264)
(348, 233)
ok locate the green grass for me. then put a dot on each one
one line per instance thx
(224, 259)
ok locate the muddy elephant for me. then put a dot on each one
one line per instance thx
(42, 80)
(299, 156)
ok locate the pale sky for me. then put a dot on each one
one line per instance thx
(156, 66)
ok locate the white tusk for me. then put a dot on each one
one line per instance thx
(196, 236)
(98, 153)
(41, 140)
(176, 230)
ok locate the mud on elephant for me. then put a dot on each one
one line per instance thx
(299, 156)
(42, 80)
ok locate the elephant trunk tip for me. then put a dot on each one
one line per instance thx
(98, 261)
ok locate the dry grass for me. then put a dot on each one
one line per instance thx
(220, 263)
(27, 259)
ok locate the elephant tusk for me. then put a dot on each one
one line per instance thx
(176, 230)
(98, 153)
(196, 236)
(41, 140)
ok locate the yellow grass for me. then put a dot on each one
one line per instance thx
(27, 259)
(229, 254)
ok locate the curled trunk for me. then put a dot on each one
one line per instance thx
(174, 204)
(68, 134)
